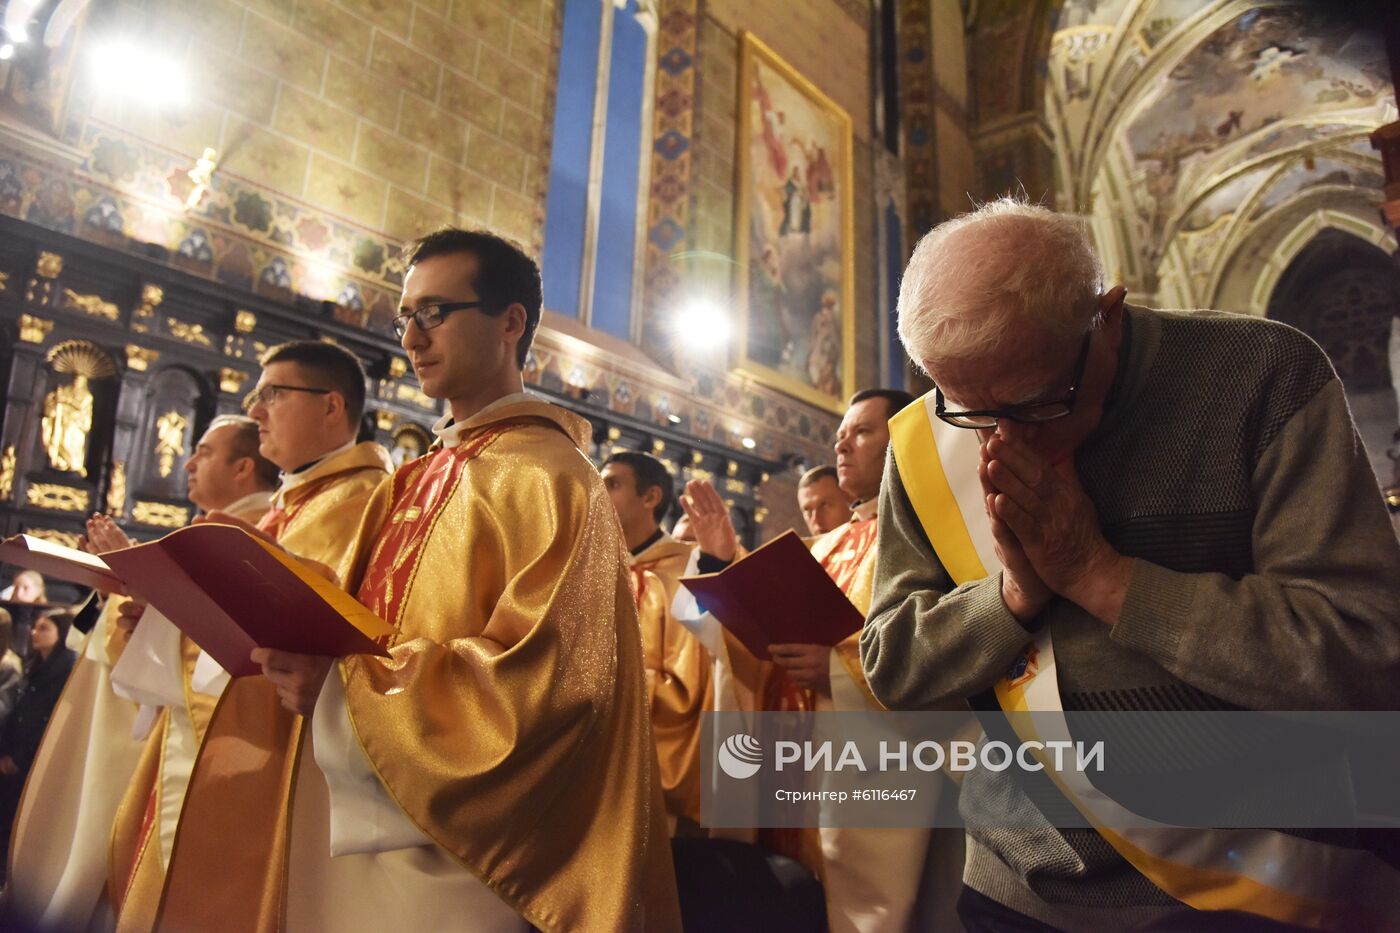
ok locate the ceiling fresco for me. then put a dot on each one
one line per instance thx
(1188, 139)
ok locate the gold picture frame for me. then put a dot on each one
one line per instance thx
(795, 232)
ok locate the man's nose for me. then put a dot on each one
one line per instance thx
(413, 335)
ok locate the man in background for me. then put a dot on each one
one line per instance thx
(227, 472)
(824, 506)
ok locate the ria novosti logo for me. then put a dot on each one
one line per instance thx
(740, 756)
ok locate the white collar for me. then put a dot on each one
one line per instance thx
(308, 473)
(450, 433)
(254, 500)
(864, 511)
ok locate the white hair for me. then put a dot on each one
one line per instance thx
(1008, 270)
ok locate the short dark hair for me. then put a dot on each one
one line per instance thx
(334, 365)
(505, 274)
(649, 473)
(818, 473)
(245, 443)
(897, 399)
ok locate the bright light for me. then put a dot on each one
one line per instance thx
(7, 52)
(126, 70)
(749, 443)
(702, 325)
(18, 34)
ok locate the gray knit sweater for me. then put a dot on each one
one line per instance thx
(1267, 577)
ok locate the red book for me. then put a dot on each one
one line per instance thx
(778, 595)
(231, 592)
(61, 562)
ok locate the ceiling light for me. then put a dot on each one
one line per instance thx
(7, 52)
(124, 69)
(749, 443)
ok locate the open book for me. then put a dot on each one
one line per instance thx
(231, 592)
(777, 595)
(61, 562)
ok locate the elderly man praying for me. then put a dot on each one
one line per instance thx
(1151, 510)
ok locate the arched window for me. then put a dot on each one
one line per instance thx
(595, 219)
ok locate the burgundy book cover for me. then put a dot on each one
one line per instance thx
(64, 563)
(231, 593)
(777, 595)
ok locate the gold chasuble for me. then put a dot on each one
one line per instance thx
(244, 748)
(510, 723)
(679, 686)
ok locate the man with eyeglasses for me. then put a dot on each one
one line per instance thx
(306, 407)
(1114, 508)
(496, 771)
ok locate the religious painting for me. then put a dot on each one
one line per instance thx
(794, 243)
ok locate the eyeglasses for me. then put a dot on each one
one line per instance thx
(430, 316)
(1033, 413)
(270, 393)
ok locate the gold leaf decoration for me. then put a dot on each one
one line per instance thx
(151, 297)
(81, 358)
(49, 265)
(735, 485)
(140, 358)
(410, 394)
(56, 497)
(170, 440)
(189, 333)
(116, 492)
(231, 380)
(385, 419)
(65, 538)
(7, 473)
(34, 329)
(4, 280)
(95, 305)
(160, 514)
(245, 321)
(398, 367)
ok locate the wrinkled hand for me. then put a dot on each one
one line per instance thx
(809, 666)
(709, 520)
(1051, 518)
(8, 766)
(297, 677)
(1022, 590)
(104, 535)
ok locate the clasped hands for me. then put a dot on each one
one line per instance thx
(1047, 534)
(297, 677)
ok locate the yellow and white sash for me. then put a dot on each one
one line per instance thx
(1257, 871)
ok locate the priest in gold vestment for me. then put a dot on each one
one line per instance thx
(496, 770)
(874, 879)
(677, 667)
(231, 745)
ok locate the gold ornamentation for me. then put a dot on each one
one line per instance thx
(658, 447)
(170, 440)
(735, 485)
(759, 515)
(59, 498)
(151, 297)
(763, 479)
(409, 394)
(49, 265)
(65, 424)
(140, 358)
(696, 457)
(704, 476)
(65, 538)
(34, 329)
(731, 468)
(189, 333)
(398, 367)
(245, 321)
(385, 420)
(116, 492)
(95, 305)
(231, 380)
(201, 175)
(4, 280)
(7, 473)
(614, 433)
(82, 358)
(160, 514)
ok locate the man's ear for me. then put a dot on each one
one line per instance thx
(335, 404)
(515, 318)
(243, 468)
(652, 497)
(1111, 303)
